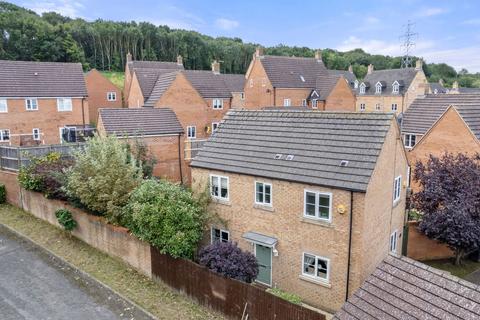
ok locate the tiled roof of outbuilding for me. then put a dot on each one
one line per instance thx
(401, 288)
(140, 121)
(41, 79)
(247, 142)
(403, 76)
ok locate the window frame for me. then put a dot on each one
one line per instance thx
(407, 140)
(217, 106)
(317, 204)
(190, 128)
(215, 126)
(219, 197)
(378, 107)
(242, 95)
(395, 88)
(2, 135)
(393, 244)
(314, 103)
(363, 106)
(397, 189)
(362, 88)
(287, 102)
(6, 105)
(110, 95)
(316, 277)
(396, 106)
(222, 231)
(270, 204)
(304, 103)
(378, 88)
(36, 136)
(63, 105)
(27, 100)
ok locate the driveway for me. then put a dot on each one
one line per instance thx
(36, 286)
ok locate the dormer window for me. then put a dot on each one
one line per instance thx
(378, 88)
(395, 87)
(217, 104)
(362, 88)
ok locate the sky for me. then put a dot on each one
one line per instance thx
(448, 31)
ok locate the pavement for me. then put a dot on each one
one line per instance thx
(34, 285)
(474, 277)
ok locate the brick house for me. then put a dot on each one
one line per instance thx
(401, 288)
(293, 81)
(318, 197)
(41, 102)
(102, 93)
(391, 90)
(141, 76)
(158, 128)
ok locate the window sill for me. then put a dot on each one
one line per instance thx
(315, 281)
(263, 207)
(222, 201)
(317, 222)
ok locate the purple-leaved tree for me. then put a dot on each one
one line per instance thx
(229, 260)
(449, 199)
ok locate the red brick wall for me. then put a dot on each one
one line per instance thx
(420, 247)
(341, 98)
(135, 97)
(97, 87)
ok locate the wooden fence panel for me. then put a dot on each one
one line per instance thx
(230, 297)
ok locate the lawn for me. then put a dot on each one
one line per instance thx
(116, 77)
(157, 298)
(459, 271)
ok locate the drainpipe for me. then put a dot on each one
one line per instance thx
(180, 158)
(274, 97)
(83, 113)
(350, 231)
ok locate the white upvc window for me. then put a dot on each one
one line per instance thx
(3, 105)
(317, 205)
(304, 102)
(111, 96)
(191, 132)
(64, 104)
(394, 107)
(4, 134)
(362, 88)
(378, 88)
(31, 104)
(242, 95)
(287, 102)
(263, 193)
(395, 87)
(393, 242)
(315, 267)
(219, 235)
(217, 104)
(219, 187)
(410, 140)
(355, 84)
(378, 107)
(314, 104)
(362, 106)
(36, 134)
(215, 126)
(397, 189)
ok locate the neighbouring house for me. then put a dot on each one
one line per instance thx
(391, 90)
(141, 76)
(348, 75)
(42, 102)
(437, 87)
(157, 128)
(296, 81)
(402, 288)
(456, 89)
(441, 123)
(102, 93)
(318, 197)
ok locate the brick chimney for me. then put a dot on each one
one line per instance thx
(419, 64)
(318, 55)
(258, 52)
(455, 85)
(216, 67)
(441, 82)
(180, 60)
(129, 57)
(350, 69)
(370, 68)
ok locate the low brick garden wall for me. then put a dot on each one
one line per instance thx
(422, 248)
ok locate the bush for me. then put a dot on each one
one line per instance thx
(46, 174)
(146, 161)
(3, 193)
(103, 176)
(65, 219)
(228, 259)
(291, 297)
(167, 216)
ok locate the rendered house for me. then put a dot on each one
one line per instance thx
(102, 93)
(391, 90)
(401, 288)
(41, 102)
(318, 197)
(158, 128)
(293, 81)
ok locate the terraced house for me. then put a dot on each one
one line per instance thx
(102, 93)
(41, 102)
(293, 81)
(318, 197)
(391, 90)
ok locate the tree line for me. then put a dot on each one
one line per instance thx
(103, 45)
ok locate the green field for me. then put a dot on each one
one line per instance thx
(116, 77)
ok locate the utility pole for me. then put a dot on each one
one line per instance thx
(408, 44)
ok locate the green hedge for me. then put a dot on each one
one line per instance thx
(3, 193)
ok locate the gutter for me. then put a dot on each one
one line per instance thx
(350, 231)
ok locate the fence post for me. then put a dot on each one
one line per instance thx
(19, 158)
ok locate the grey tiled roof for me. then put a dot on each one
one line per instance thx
(41, 79)
(437, 86)
(401, 288)
(424, 112)
(389, 76)
(147, 79)
(163, 82)
(325, 84)
(469, 90)
(234, 82)
(349, 76)
(140, 121)
(247, 142)
(154, 65)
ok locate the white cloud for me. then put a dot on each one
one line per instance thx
(173, 16)
(375, 46)
(459, 58)
(430, 12)
(64, 7)
(226, 24)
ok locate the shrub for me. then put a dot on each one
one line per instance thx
(228, 259)
(167, 216)
(291, 297)
(65, 219)
(3, 193)
(103, 176)
(145, 159)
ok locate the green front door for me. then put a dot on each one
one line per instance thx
(264, 259)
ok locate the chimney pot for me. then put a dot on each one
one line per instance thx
(216, 67)
(350, 69)
(129, 57)
(180, 60)
(419, 64)
(318, 55)
(258, 52)
(370, 68)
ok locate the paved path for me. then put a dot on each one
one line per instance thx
(36, 286)
(474, 277)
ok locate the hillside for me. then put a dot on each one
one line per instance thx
(101, 44)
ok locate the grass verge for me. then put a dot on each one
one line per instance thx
(115, 77)
(156, 298)
(459, 271)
